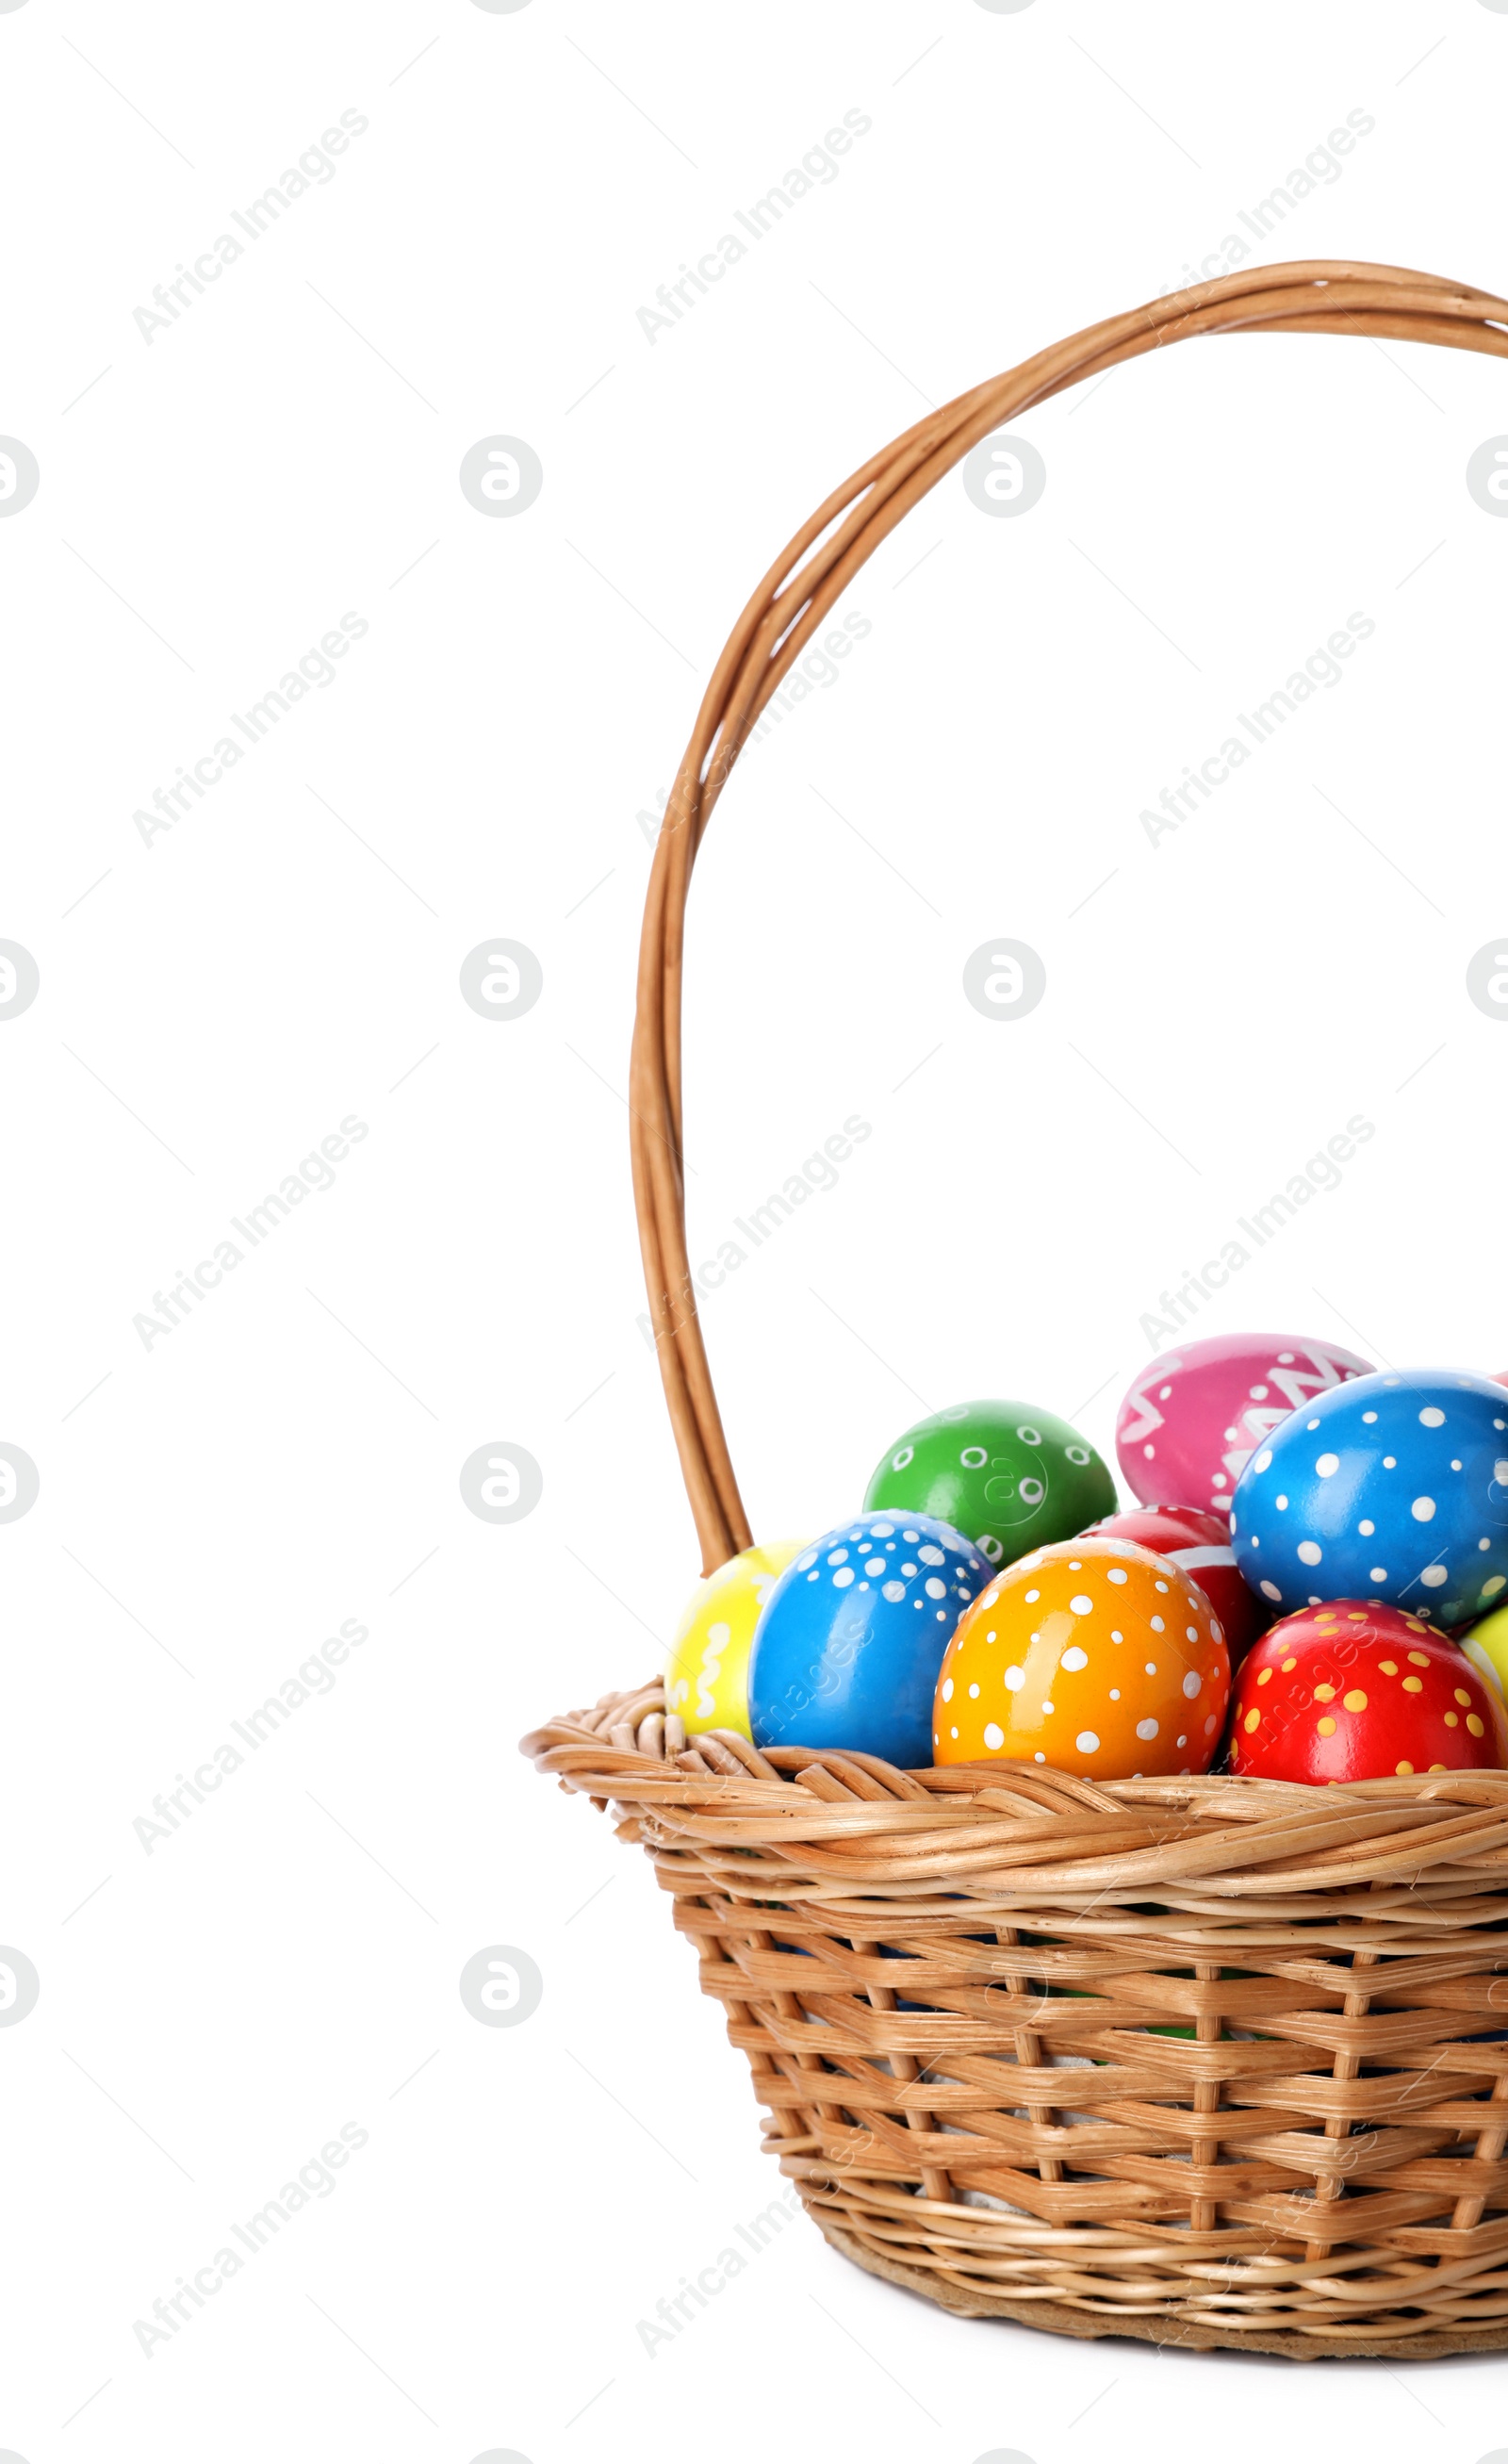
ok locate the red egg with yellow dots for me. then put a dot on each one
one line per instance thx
(1358, 1690)
(1094, 1656)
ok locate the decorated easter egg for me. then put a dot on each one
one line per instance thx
(707, 1667)
(1095, 1656)
(1199, 1545)
(846, 1650)
(1486, 1646)
(1195, 1416)
(1358, 1690)
(1392, 1487)
(1007, 1474)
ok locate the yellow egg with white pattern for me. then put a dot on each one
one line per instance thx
(706, 1670)
(1486, 1646)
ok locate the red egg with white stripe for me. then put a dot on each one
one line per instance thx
(1193, 1418)
(1199, 1546)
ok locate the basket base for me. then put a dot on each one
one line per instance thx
(1061, 2319)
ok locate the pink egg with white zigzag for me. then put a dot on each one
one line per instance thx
(1195, 1416)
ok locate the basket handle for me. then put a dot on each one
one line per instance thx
(786, 609)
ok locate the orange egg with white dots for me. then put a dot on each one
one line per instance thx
(1360, 1690)
(1093, 1656)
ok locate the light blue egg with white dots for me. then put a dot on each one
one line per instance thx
(1391, 1487)
(849, 1643)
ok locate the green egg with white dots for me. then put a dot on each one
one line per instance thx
(1009, 1476)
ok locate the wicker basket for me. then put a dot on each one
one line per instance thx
(1208, 2061)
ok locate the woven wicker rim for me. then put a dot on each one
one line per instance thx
(787, 609)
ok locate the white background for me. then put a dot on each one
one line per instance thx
(213, 1004)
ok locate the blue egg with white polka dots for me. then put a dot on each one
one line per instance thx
(1391, 1487)
(849, 1643)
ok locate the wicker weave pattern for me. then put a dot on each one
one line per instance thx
(1217, 2061)
(1208, 2061)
